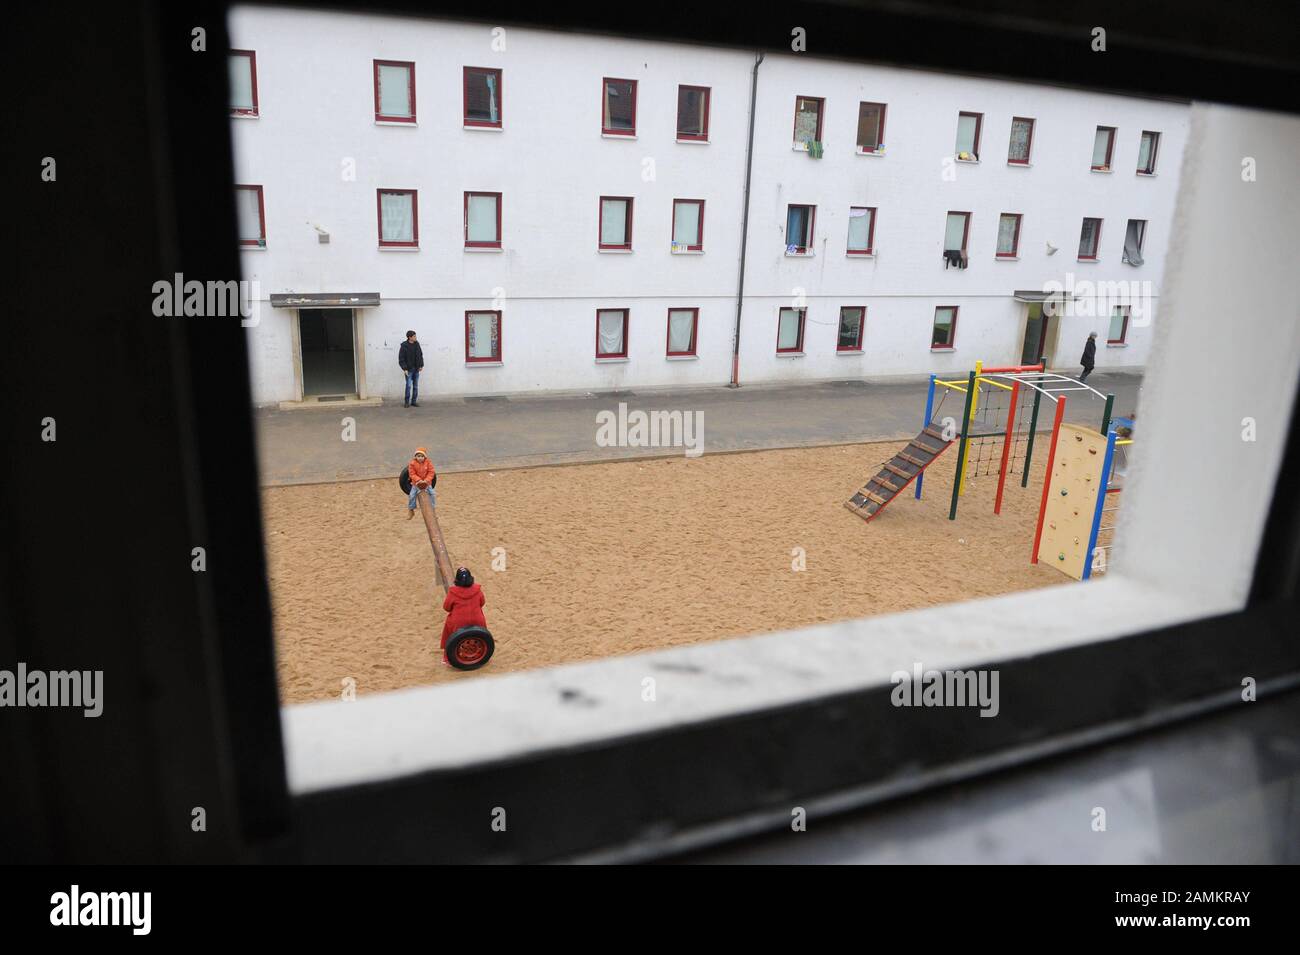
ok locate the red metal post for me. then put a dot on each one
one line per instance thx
(1047, 478)
(1006, 446)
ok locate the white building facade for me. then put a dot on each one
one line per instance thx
(472, 184)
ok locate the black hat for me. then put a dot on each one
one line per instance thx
(463, 577)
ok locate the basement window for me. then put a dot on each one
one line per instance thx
(1118, 333)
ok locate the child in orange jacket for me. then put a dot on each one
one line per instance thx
(423, 478)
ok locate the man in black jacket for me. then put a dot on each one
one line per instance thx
(1089, 355)
(411, 359)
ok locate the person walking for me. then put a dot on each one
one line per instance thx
(1089, 355)
(411, 359)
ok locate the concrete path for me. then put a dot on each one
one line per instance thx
(466, 434)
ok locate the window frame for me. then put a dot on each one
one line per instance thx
(699, 236)
(812, 224)
(415, 218)
(821, 118)
(627, 326)
(862, 328)
(1015, 241)
(695, 332)
(1126, 312)
(604, 97)
(1096, 245)
(880, 129)
(979, 132)
(252, 76)
(627, 224)
(1155, 151)
(803, 320)
(965, 232)
(870, 250)
(464, 88)
(952, 328)
(1110, 149)
(703, 137)
(380, 117)
(478, 243)
(261, 219)
(1142, 238)
(496, 359)
(1029, 145)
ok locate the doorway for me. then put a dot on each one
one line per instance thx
(328, 358)
(1035, 343)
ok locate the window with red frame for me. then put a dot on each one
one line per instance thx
(693, 113)
(482, 220)
(482, 336)
(394, 91)
(789, 330)
(862, 230)
(252, 216)
(611, 332)
(1022, 140)
(1148, 146)
(482, 97)
(1089, 239)
(852, 320)
(399, 223)
(1118, 333)
(944, 334)
(968, 136)
(1103, 146)
(243, 82)
(956, 231)
(688, 225)
(616, 223)
(1008, 235)
(683, 323)
(799, 222)
(871, 127)
(808, 119)
(618, 107)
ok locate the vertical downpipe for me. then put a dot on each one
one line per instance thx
(744, 226)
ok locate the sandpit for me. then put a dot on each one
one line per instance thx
(615, 558)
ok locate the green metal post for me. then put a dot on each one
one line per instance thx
(1105, 420)
(1029, 449)
(961, 447)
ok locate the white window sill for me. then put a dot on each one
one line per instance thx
(682, 357)
(1006, 258)
(1117, 344)
(610, 361)
(694, 142)
(1020, 165)
(942, 348)
(1087, 261)
(253, 248)
(800, 255)
(394, 122)
(399, 248)
(245, 115)
(483, 248)
(859, 255)
(614, 251)
(484, 364)
(485, 129)
(973, 162)
(618, 135)
(800, 147)
(870, 152)
(1105, 171)
(849, 352)
(1146, 175)
(686, 251)
(789, 354)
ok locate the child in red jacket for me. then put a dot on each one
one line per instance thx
(464, 605)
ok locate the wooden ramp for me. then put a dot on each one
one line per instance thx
(900, 471)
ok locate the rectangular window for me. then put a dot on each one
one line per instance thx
(968, 135)
(252, 216)
(616, 223)
(399, 225)
(956, 231)
(807, 120)
(1022, 138)
(862, 230)
(1008, 235)
(482, 97)
(1134, 236)
(482, 336)
(1089, 239)
(799, 229)
(789, 330)
(1103, 145)
(688, 225)
(1118, 325)
(618, 107)
(871, 127)
(682, 326)
(1147, 150)
(611, 333)
(482, 220)
(945, 327)
(852, 319)
(394, 91)
(243, 82)
(693, 113)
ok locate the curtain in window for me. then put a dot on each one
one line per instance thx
(1116, 333)
(484, 335)
(1020, 130)
(1144, 152)
(241, 82)
(399, 225)
(1100, 147)
(394, 91)
(686, 223)
(805, 121)
(796, 227)
(966, 134)
(787, 337)
(860, 229)
(481, 219)
(613, 222)
(609, 328)
(1007, 234)
(250, 219)
(850, 326)
(1133, 242)
(681, 331)
(1088, 238)
(493, 115)
(954, 232)
(690, 112)
(868, 126)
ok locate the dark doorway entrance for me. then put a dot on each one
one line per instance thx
(1035, 335)
(328, 363)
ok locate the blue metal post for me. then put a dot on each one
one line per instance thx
(1101, 503)
(929, 408)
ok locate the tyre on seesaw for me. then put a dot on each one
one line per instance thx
(470, 648)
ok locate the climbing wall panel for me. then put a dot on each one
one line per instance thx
(1072, 499)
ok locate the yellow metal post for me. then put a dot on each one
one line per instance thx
(974, 402)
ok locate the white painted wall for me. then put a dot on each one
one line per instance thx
(551, 163)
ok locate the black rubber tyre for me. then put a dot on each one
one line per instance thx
(470, 648)
(404, 482)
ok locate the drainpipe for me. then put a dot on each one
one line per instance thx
(744, 226)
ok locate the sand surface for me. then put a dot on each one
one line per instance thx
(605, 559)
